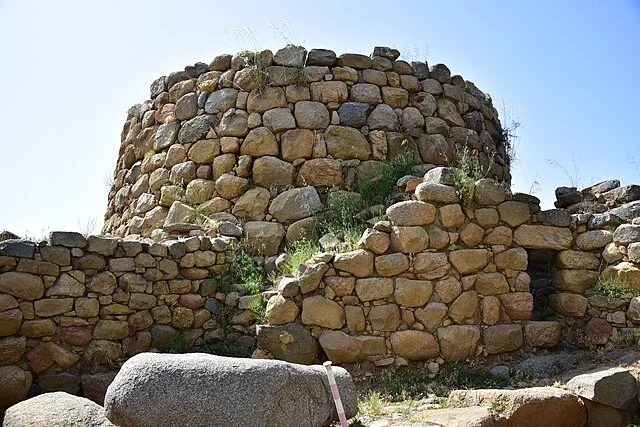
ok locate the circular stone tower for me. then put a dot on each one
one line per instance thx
(266, 138)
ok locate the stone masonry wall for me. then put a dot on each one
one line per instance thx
(75, 306)
(227, 138)
(445, 280)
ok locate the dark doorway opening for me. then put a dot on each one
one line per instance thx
(540, 269)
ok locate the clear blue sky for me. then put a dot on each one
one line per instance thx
(568, 70)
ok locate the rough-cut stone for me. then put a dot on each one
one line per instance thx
(22, 285)
(346, 143)
(502, 338)
(465, 308)
(359, 262)
(269, 171)
(594, 239)
(458, 342)
(414, 345)
(411, 212)
(468, 261)
(15, 384)
(567, 304)
(524, 407)
(374, 288)
(543, 237)
(576, 281)
(280, 310)
(544, 334)
(265, 237)
(409, 239)
(412, 293)
(384, 317)
(319, 311)
(295, 204)
(431, 315)
(626, 234)
(279, 391)
(431, 265)
(437, 193)
(391, 264)
(251, 206)
(292, 343)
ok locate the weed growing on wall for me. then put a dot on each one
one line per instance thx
(298, 253)
(378, 185)
(467, 173)
(258, 307)
(614, 288)
(341, 218)
(509, 128)
(246, 270)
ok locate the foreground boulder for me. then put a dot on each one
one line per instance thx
(204, 390)
(536, 406)
(57, 409)
(473, 416)
(614, 387)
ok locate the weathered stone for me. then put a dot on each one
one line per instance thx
(542, 334)
(295, 204)
(543, 237)
(595, 239)
(142, 380)
(384, 317)
(451, 216)
(278, 119)
(15, 384)
(502, 338)
(359, 262)
(414, 345)
(22, 285)
(514, 259)
(409, 239)
(431, 265)
(458, 342)
(438, 193)
(412, 293)
(321, 57)
(431, 315)
(346, 143)
(17, 248)
(514, 213)
(320, 173)
(290, 56)
(281, 311)
(297, 144)
(518, 305)
(448, 112)
(465, 308)
(229, 186)
(52, 307)
(523, 407)
(411, 212)
(576, 281)
(468, 261)
(598, 331)
(310, 275)
(614, 387)
(311, 115)
(319, 311)
(251, 206)
(110, 330)
(340, 347)
(374, 288)
(566, 304)
(448, 289)
(577, 260)
(10, 321)
(12, 349)
(625, 273)
(292, 343)
(626, 234)
(270, 172)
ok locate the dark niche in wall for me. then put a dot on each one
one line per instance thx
(540, 269)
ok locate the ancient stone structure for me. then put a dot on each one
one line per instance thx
(253, 147)
(444, 279)
(233, 136)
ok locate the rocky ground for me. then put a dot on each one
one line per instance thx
(407, 396)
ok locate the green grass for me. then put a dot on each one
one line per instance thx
(341, 218)
(377, 186)
(297, 253)
(397, 384)
(246, 270)
(614, 288)
(467, 173)
(371, 403)
(198, 217)
(259, 307)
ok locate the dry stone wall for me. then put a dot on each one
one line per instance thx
(74, 306)
(229, 138)
(445, 280)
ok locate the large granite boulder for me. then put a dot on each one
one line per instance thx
(56, 410)
(205, 390)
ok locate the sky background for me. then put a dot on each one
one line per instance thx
(567, 70)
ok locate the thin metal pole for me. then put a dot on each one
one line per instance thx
(336, 394)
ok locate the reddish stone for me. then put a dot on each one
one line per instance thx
(598, 331)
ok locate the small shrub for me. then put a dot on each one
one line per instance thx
(614, 288)
(341, 218)
(259, 307)
(377, 186)
(178, 343)
(246, 270)
(297, 254)
(371, 403)
(467, 173)
(199, 217)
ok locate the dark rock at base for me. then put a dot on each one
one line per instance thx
(18, 247)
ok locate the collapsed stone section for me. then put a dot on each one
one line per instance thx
(445, 279)
(229, 137)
